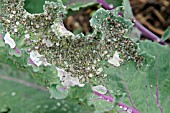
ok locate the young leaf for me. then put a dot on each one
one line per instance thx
(35, 6)
(75, 5)
(127, 10)
(115, 3)
(166, 34)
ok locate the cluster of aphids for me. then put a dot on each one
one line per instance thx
(114, 31)
(80, 55)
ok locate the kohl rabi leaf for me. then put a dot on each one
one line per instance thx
(166, 34)
(158, 74)
(19, 94)
(35, 6)
(127, 10)
(139, 85)
(85, 58)
(109, 30)
(80, 92)
(115, 3)
(75, 5)
(134, 34)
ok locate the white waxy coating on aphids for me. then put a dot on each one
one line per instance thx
(99, 70)
(47, 42)
(91, 75)
(115, 61)
(59, 29)
(38, 59)
(66, 78)
(27, 36)
(9, 40)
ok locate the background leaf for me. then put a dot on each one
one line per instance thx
(127, 9)
(166, 34)
(35, 6)
(115, 3)
(75, 5)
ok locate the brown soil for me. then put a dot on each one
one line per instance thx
(153, 14)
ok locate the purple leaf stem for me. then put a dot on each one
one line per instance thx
(120, 104)
(148, 33)
(127, 90)
(157, 89)
(31, 62)
(127, 108)
(104, 97)
(17, 50)
(143, 29)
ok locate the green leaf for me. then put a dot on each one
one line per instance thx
(80, 92)
(20, 94)
(134, 34)
(100, 105)
(115, 3)
(124, 83)
(160, 69)
(57, 92)
(75, 5)
(127, 9)
(166, 34)
(35, 6)
(101, 15)
(141, 82)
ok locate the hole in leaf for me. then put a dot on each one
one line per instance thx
(78, 21)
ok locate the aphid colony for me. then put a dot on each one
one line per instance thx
(81, 55)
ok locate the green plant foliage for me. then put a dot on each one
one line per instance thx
(35, 6)
(71, 65)
(75, 5)
(128, 10)
(166, 34)
(115, 3)
(141, 83)
(134, 34)
(20, 94)
(57, 92)
(159, 70)
(80, 93)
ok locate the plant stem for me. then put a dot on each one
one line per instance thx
(120, 104)
(148, 33)
(143, 29)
